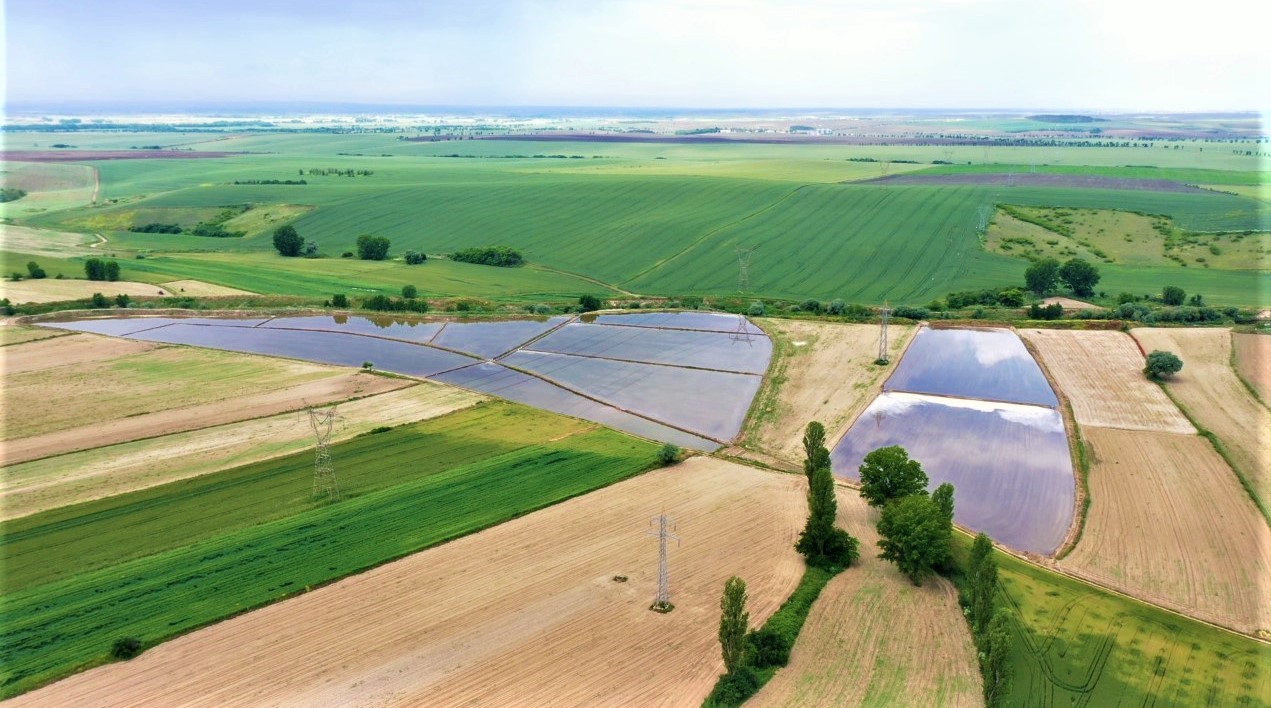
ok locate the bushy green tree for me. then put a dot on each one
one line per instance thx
(1080, 276)
(733, 623)
(415, 257)
(1041, 276)
(589, 303)
(34, 271)
(112, 271)
(915, 535)
(887, 473)
(372, 248)
(288, 241)
(409, 292)
(1173, 295)
(997, 668)
(339, 300)
(669, 454)
(1162, 365)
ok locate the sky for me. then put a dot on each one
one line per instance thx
(1098, 55)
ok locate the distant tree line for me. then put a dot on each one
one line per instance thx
(11, 194)
(271, 181)
(336, 172)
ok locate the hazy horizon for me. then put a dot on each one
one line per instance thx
(1131, 56)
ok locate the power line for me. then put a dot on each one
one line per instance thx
(742, 333)
(665, 525)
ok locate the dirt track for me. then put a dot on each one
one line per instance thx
(1169, 523)
(1208, 388)
(101, 472)
(525, 613)
(873, 638)
(829, 375)
(1101, 373)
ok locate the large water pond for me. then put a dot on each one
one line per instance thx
(992, 364)
(1008, 463)
(685, 378)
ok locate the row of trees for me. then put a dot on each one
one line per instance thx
(99, 269)
(290, 243)
(915, 528)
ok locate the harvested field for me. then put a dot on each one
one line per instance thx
(117, 380)
(1101, 373)
(44, 242)
(824, 372)
(107, 471)
(339, 386)
(17, 334)
(1169, 523)
(873, 638)
(525, 613)
(86, 155)
(1069, 304)
(1208, 388)
(53, 290)
(1253, 361)
(198, 288)
(1030, 179)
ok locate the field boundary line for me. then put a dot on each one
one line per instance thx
(634, 361)
(580, 276)
(1231, 333)
(712, 232)
(529, 341)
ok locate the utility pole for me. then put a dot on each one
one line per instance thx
(743, 268)
(663, 601)
(883, 357)
(324, 484)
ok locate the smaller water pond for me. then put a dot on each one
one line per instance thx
(991, 364)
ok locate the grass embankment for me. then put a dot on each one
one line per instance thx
(1076, 644)
(55, 628)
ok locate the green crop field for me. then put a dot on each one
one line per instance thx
(218, 568)
(652, 218)
(1076, 645)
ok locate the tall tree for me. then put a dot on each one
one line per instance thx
(820, 542)
(887, 473)
(815, 453)
(733, 623)
(1080, 276)
(982, 578)
(288, 241)
(1040, 277)
(997, 667)
(914, 535)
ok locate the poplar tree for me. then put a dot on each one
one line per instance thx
(733, 623)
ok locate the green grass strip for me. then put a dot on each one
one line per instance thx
(54, 629)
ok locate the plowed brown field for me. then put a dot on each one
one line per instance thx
(826, 373)
(873, 638)
(101, 472)
(1101, 373)
(525, 613)
(1210, 391)
(1253, 360)
(1169, 523)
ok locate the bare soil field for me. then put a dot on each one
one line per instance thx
(1101, 373)
(874, 639)
(110, 380)
(825, 372)
(1170, 524)
(44, 242)
(340, 386)
(1069, 304)
(1253, 361)
(105, 471)
(1212, 394)
(53, 290)
(198, 288)
(525, 613)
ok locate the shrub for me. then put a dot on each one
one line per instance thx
(1172, 295)
(372, 248)
(756, 309)
(347, 254)
(311, 250)
(15, 276)
(1010, 297)
(415, 258)
(835, 307)
(669, 454)
(125, 648)
(588, 303)
(734, 688)
(540, 309)
(99, 300)
(810, 306)
(6, 307)
(409, 292)
(1161, 364)
(912, 313)
(122, 300)
(768, 648)
(1052, 311)
(339, 300)
(34, 271)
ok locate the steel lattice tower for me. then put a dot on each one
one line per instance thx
(663, 601)
(742, 333)
(743, 268)
(324, 484)
(882, 335)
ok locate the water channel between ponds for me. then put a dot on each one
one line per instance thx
(976, 410)
(685, 378)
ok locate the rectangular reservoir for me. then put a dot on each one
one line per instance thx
(991, 364)
(706, 350)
